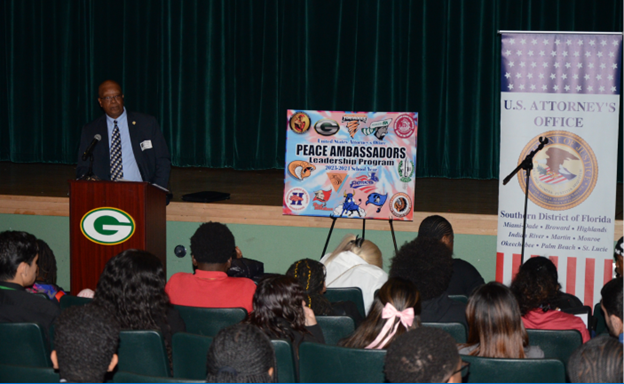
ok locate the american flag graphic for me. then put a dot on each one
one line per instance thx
(561, 63)
(550, 177)
(364, 187)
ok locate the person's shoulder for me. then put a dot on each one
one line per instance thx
(179, 276)
(140, 118)
(242, 281)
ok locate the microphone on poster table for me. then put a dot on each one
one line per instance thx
(87, 153)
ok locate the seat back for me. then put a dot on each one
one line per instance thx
(21, 374)
(457, 330)
(143, 352)
(487, 370)
(129, 377)
(556, 344)
(70, 301)
(599, 320)
(353, 294)
(24, 344)
(286, 371)
(319, 363)
(335, 328)
(189, 355)
(460, 298)
(209, 321)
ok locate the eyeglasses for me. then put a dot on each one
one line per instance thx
(465, 368)
(108, 99)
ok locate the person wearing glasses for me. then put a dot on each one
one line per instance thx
(131, 145)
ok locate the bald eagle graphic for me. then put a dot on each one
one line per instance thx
(555, 172)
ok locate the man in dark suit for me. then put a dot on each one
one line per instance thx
(131, 148)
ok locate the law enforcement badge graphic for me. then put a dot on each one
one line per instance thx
(564, 173)
(406, 170)
(299, 122)
(400, 205)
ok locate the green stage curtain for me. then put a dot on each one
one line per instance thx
(219, 75)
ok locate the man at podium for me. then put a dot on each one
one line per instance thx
(124, 145)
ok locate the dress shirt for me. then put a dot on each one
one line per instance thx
(130, 167)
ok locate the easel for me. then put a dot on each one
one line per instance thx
(331, 229)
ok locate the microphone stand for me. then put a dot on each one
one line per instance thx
(89, 175)
(527, 165)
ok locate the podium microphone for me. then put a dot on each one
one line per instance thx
(87, 153)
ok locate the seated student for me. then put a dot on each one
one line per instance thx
(18, 270)
(396, 310)
(465, 278)
(618, 255)
(311, 276)
(428, 264)
(495, 324)
(611, 304)
(597, 361)
(424, 355)
(356, 263)
(536, 290)
(241, 353)
(46, 274)
(212, 249)
(85, 344)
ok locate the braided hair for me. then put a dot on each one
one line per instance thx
(310, 274)
(241, 353)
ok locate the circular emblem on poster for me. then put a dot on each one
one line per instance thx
(400, 204)
(404, 126)
(107, 226)
(326, 127)
(299, 122)
(297, 199)
(564, 172)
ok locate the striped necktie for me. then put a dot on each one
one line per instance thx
(115, 155)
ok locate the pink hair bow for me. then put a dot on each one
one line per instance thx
(389, 312)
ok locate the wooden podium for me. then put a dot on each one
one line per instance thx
(106, 218)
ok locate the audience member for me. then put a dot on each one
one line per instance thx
(18, 270)
(241, 353)
(428, 264)
(536, 290)
(396, 310)
(244, 267)
(618, 253)
(424, 355)
(311, 276)
(597, 361)
(212, 249)
(356, 263)
(465, 278)
(132, 288)
(611, 305)
(85, 344)
(495, 324)
(46, 274)
(563, 300)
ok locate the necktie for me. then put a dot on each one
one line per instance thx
(115, 155)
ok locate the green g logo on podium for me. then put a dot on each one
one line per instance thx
(107, 226)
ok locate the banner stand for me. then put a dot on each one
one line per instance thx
(331, 229)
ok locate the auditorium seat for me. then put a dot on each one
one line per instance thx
(457, 330)
(286, 371)
(320, 363)
(209, 321)
(335, 328)
(143, 352)
(129, 377)
(489, 370)
(70, 301)
(24, 344)
(353, 294)
(599, 320)
(189, 355)
(556, 344)
(22, 374)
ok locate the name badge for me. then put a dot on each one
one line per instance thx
(147, 144)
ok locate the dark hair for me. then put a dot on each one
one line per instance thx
(597, 361)
(15, 248)
(241, 353)
(85, 339)
(46, 263)
(495, 323)
(311, 276)
(213, 243)
(277, 307)
(424, 355)
(435, 227)
(427, 263)
(612, 297)
(535, 285)
(402, 294)
(619, 249)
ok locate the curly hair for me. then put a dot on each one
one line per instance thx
(402, 294)
(427, 263)
(213, 243)
(597, 361)
(241, 353)
(277, 307)
(46, 263)
(535, 285)
(85, 339)
(311, 276)
(15, 248)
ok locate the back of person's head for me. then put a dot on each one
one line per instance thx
(618, 255)
(15, 248)
(597, 361)
(278, 299)
(85, 341)
(241, 353)
(213, 243)
(437, 227)
(395, 310)
(535, 284)
(495, 323)
(46, 263)
(311, 277)
(427, 263)
(612, 304)
(424, 355)
(365, 249)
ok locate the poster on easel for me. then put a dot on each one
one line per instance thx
(357, 165)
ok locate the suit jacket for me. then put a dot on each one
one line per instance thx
(154, 163)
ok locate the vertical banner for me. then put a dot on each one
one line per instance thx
(358, 165)
(565, 87)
